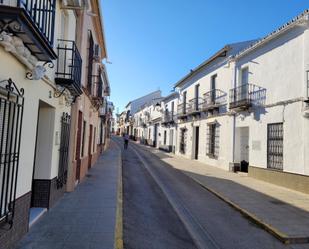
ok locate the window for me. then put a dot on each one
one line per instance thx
(164, 137)
(90, 61)
(11, 116)
(275, 146)
(172, 108)
(212, 140)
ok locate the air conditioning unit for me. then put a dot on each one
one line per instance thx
(97, 53)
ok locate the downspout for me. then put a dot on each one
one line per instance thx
(234, 115)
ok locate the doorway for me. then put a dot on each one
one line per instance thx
(155, 135)
(42, 166)
(171, 138)
(90, 146)
(242, 147)
(78, 145)
(196, 133)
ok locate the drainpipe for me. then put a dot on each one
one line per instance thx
(234, 115)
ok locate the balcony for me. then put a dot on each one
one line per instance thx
(213, 100)
(69, 67)
(182, 110)
(97, 91)
(33, 22)
(195, 106)
(244, 96)
(168, 118)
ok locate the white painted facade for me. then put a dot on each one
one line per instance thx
(36, 92)
(261, 88)
(280, 65)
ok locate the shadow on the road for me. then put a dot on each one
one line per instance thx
(284, 217)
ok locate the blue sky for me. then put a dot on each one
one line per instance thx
(154, 43)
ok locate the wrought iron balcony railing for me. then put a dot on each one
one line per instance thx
(242, 97)
(168, 117)
(42, 14)
(33, 21)
(97, 87)
(213, 99)
(182, 110)
(69, 67)
(195, 105)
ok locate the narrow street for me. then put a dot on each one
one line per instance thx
(159, 200)
(149, 220)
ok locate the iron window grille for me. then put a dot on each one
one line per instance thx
(212, 148)
(275, 146)
(64, 150)
(11, 116)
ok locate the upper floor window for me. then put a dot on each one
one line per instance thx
(90, 61)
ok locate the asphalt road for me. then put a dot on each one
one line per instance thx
(165, 209)
(148, 219)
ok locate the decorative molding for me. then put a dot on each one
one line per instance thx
(15, 46)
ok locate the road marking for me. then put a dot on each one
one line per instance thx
(118, 243)
(201, 238)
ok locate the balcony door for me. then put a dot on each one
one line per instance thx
(197, 88)
(184, 102)
(244, 81)
(213, 86)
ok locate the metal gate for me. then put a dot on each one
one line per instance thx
(275, 146)
(64, 150)
(11, 116)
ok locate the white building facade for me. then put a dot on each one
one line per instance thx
(246, 108)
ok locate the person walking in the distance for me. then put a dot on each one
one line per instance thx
(126, 140)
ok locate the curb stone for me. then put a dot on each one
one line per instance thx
(253, 218)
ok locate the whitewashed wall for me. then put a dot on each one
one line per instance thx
(280, 67)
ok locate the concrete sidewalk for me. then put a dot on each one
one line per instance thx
(282, 212)
(85, 218)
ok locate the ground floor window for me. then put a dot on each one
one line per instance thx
(275, 146)
(212, 146)
(11, 115)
